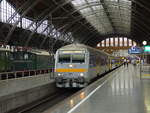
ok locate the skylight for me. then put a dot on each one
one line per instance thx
(107, 17)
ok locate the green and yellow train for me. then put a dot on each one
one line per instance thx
(5, 59)
(24, 60)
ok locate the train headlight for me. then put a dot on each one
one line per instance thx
(81, 74)
(59, 74)
(70, 65)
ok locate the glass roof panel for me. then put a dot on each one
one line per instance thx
(106, 17)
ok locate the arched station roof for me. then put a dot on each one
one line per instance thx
(89, 21)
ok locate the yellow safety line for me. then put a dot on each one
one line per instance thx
(70, 70)
(146, 75)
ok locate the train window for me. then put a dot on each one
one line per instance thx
(112, 61)
(6, 54)
(78, 58)
(92, 60)
(64, 58)
(3, 54)
(26, 56)
(18, 56)
(11, 56)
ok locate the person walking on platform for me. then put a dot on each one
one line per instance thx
(124, 62)
(127, 62)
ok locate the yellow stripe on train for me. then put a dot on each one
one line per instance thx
(70, 70)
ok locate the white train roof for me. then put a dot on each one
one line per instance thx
(80, 47)
(74, 46)
(40, 52)
(4, 49)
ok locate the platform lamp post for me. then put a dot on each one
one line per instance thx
(143, 57)
(144, 44)
(51, 51)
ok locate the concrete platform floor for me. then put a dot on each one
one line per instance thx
(12, 86)
(121, 91)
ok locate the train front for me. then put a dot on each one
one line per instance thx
(71, 68)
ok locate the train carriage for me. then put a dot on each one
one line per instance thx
(5, 59)
(31, 60)
(23, 60)
(42, 59)
(19, 59)
(76, 65)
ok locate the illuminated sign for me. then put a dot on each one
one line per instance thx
(135, 50)
(147, 48)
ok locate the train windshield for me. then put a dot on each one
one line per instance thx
(71, 58)
(78, 58)
(64, 58)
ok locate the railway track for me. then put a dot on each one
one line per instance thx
(46, 102)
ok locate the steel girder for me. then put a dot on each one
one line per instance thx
(85, 6)
(132, 0)
(15, 25)
(44, 17)
(108, 15)
(25, 12)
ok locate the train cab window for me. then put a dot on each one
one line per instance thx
(64, 58)
(78, 58)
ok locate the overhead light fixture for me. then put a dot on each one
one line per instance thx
(144, 43)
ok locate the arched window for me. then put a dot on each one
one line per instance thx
(103, 43)
(116, 42)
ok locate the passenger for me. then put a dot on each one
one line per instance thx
(128, 62)
(125, 61)
(142, 61)
(134, 62)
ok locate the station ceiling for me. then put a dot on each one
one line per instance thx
(91, 21)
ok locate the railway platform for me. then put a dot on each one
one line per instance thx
(17, 92)
(12, 86)
(121, 91)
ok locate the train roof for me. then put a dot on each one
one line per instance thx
(73, 46)
(81, 47)
(40, 52)
(4, 49)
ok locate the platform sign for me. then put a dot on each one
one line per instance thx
(135, 50)
(147, 48)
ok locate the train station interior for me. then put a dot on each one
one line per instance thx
(74, 56)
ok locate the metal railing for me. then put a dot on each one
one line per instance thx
(26, 73)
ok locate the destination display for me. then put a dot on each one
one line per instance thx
(135, 50)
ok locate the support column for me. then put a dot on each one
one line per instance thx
(100, 44)
(123, 41)
(104, 43)
(109, 42)
(132, 43)
(127, 42)
(114, 42)
(118, 42)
